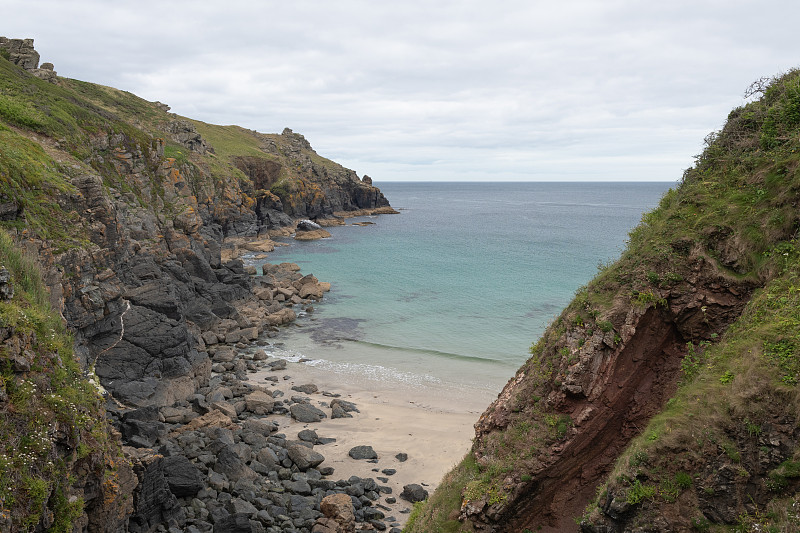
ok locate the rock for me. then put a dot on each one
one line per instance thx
(346, 406)
(280, 364)
(259, 402)
(155, 502)
(308, 435)
(307, 225)
(303, 412)
(305, 389)
(249, 334)
(339, 507)
(402, 457)
(362, 452)
(6, 289)
(185, 133)
(304, 457)
(240, 506)
(224, 354)
(212, 419)
(234, 523)
(312, 235)
(414, 493)
(224, 407)
(232, 466)
(338, 412)
(183, 478)
(260, 426)
(311, 291)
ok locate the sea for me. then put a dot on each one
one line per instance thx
(450, 293)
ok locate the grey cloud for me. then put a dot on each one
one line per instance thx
(622, 89)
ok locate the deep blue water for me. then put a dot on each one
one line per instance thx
(459, 284)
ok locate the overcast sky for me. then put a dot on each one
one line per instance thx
(437, 90)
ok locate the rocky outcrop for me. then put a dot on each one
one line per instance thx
(185, 133)
(155, 307)
(21, 52)
(662, 399)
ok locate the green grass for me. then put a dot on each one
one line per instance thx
(30, 179)
(54, 394)
(438, 514)
(735, 211)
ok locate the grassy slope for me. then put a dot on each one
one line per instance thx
(50, 417)
(738, 207)
(50, 134)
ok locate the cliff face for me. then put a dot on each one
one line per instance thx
(129, 210)
(664, 398)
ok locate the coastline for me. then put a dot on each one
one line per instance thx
(430, 422)
(434, 430)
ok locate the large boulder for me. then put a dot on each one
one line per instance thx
(414, 493)
(236, 523)
(303, 412)
(234, 468)
(304, 457)
(339, 508)
(259, 402)
(362, 452)
(183, 478)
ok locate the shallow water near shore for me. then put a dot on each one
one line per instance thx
(449, 294)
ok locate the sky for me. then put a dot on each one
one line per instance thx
(411, 90)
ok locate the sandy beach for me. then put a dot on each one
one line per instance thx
(434, 427)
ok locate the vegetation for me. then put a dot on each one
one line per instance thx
(735, 210)
(46, 409)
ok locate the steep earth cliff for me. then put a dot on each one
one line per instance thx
(696, 324)
(128, 210)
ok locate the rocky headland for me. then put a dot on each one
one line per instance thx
(122, 225)
(665, 397)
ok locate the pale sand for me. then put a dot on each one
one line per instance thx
(433, 426)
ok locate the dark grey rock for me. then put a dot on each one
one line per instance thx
(414, 493)
(362, 452)
(308, 435)
(303, 412)
(309, 388)
(230, 464)
(348, 407)
(234, 523)
(338, 412)
(240, 506)
(183, 478)
(304, 457)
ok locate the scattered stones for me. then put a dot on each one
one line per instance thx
(402, 457)
(362, 452)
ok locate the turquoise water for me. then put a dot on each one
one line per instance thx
(455, 288)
